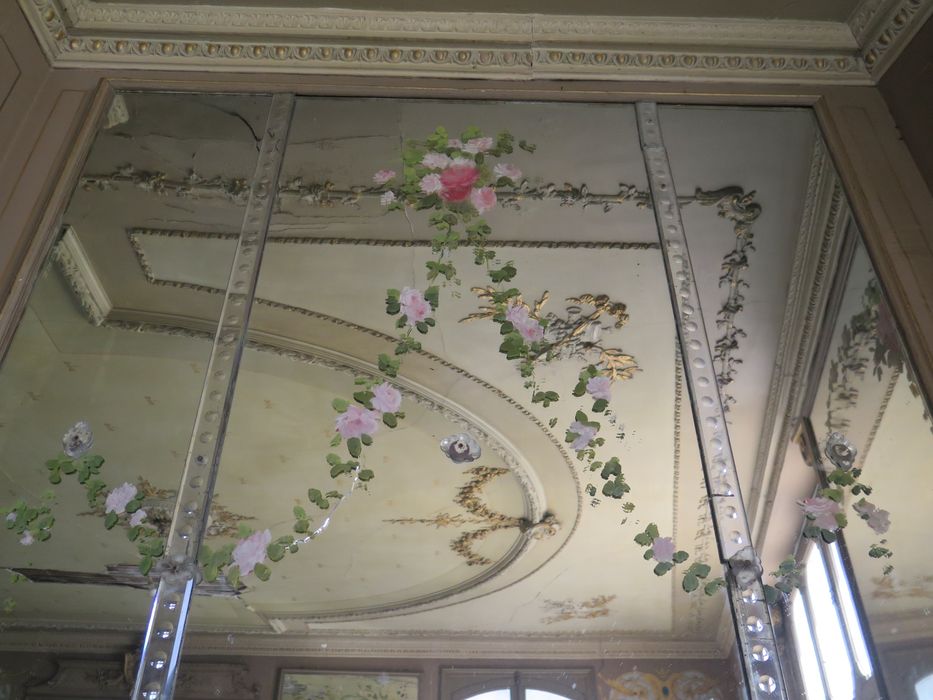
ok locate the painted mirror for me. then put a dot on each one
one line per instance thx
(438, 352)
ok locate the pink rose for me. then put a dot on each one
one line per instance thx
(386, 398)
(599, 387)
(584, 433)
(381, 177)
(527, 327)
(455, 143)
(663, 549)
(516, 314)
(387, 198)
(27, 539)
(414, 306)
(357, 421)
(821, 511)
(118, 498)
(479, 145)
(457, 182)
(878, 520)
(431, 183)
(137, 518)
(251, 551)
(437, 161)
(507, 170)
(483, 199)
(531, 331)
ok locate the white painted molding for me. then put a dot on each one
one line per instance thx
(883, 28)
(823, 224)
(89, 33)
(335, 643)
(78, 270)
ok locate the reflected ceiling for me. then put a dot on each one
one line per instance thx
(511, 546)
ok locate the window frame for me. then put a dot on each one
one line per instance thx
(461, 683)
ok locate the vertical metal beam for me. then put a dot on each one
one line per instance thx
(750, 612)
(178, 569)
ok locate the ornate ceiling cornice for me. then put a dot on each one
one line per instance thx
(883, 28)
(82, 33)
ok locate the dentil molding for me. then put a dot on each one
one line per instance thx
(89, 33)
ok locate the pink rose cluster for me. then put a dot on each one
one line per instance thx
(878, 520)
(520, 318)
(455, 179)
(358, 421)
(821, 511)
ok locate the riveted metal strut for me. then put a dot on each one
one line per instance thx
(178, 569)
(752, 616)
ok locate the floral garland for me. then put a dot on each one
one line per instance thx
(825, 517)
(121, 505)
(456, 180)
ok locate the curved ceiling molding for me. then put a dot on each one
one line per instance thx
(541, 531)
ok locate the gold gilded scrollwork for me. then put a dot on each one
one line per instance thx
(576, 334)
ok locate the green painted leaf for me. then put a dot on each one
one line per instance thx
(388, 366)
(354, 447)
(275, 552)
(389, 419)
(366, 474)
(145, 565)
(110, 520)
(643, 539)
(262, 572)
(662, 568)
(340, 405)
(652, 531)
(690, 583)
(363, 397)
(680, 557)
(700, 570)
(600, 405)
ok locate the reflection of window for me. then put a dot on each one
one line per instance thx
(924, 688)
(514, 684)
(831, 647)
(506, 694)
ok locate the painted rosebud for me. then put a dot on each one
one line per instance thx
(78, 440)
(461, 448)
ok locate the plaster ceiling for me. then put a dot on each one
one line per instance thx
(151, 263)
(829, 10)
